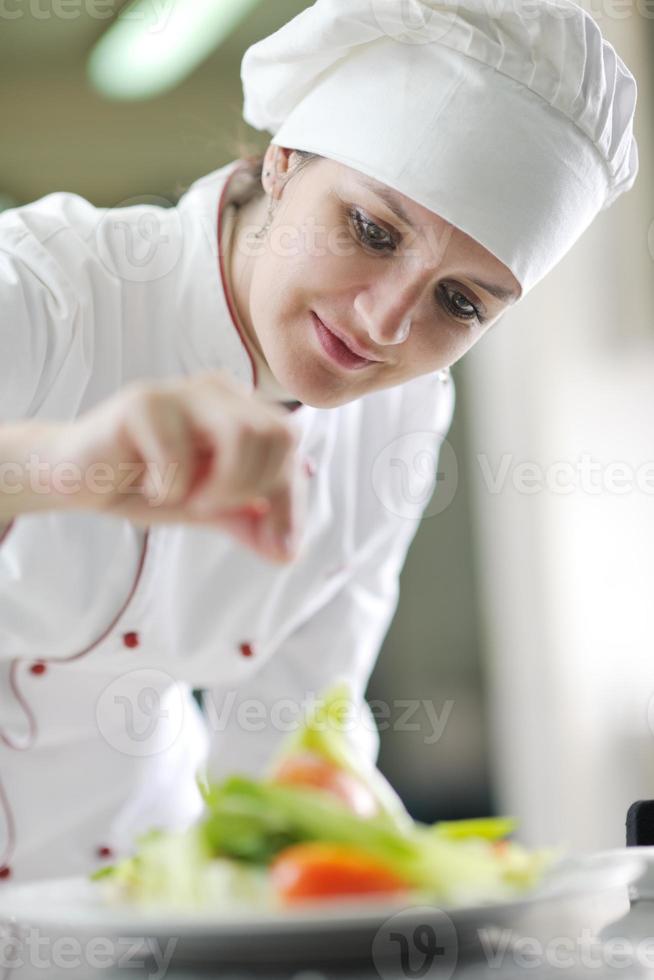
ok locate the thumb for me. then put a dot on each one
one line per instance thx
(253, 526)
(271, 526)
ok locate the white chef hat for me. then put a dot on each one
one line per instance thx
(512, 119)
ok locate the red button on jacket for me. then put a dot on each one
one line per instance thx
(246, 649)
(131, 639)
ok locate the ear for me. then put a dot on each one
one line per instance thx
(278, 163)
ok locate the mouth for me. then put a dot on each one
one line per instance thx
(339, 348)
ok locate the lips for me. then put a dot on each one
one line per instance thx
(336, 350)
(351, 344)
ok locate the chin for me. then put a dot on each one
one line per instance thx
(328, 402)
(319, 389)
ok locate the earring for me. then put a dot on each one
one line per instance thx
(444, 375)
(262, 231)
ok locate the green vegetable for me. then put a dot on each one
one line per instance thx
(262, 819)
(488, 828)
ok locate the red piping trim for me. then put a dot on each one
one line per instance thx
(11, 828)
(231, 306)
(13, 684)
(33, 727)
(5, 533)
(239, 165)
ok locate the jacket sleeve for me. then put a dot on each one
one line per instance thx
(340, 641)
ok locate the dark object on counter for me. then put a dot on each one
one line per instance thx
(640, 823)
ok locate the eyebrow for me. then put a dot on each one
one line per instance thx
(387, 195)
(498, 291)
(389, 198)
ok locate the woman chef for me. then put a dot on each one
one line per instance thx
(168, 523)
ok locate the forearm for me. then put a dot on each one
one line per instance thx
(28, 469)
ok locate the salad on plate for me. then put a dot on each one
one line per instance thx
(323, 826)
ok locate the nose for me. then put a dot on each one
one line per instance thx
(387, 306)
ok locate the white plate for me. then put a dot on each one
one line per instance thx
(581, 893)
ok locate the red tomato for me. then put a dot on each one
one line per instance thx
(315, 870)
(307, 769)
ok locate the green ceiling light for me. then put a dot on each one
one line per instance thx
(154, 44)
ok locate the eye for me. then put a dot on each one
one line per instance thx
(460, 306)
(370, 234)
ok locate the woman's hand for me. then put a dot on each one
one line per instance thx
(202, 450)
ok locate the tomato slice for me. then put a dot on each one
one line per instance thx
(316, 870)
(308, 769)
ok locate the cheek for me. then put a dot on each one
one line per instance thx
(300, 281)
(273, 293)
(433, 344)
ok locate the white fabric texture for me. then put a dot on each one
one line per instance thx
(513, 120)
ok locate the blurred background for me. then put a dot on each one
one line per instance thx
(526, 617)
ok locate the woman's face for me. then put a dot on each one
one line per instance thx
(405, 289)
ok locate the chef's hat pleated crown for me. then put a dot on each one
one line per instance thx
(511, 119)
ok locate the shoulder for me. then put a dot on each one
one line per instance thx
(42, 245)
(46, 216)
(50, 242)
(70, 246)
(61, 225)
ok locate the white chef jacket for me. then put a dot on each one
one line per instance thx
(106, 627)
